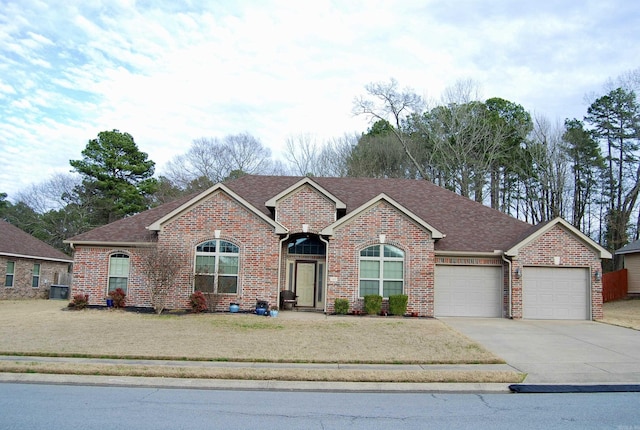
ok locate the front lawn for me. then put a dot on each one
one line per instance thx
(46, 327)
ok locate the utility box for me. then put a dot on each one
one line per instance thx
(59, 292)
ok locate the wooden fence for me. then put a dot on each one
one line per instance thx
(614, 285)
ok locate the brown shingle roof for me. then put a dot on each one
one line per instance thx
(469, 226)
(15, 242)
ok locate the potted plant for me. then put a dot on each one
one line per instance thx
(273, 311)
(109, 301)
(234, 308)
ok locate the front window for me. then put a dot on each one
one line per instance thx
(35, 279)
(118, 272)
(381, 271)
(8, 279)
(217, 267)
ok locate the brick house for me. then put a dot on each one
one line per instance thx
(28, 266)
(328, 238)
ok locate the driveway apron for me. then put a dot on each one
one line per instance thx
(559, 352)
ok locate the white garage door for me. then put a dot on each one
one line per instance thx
(468, 291)
(555, 293)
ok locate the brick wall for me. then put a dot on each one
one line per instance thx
(365, 230)
(51, 272)
(257, 242)
(558, 242)
(305, 206)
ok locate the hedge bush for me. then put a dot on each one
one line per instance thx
(342, 306)
(372, 304)
(398, 304)
(198, 302)
(119, 297)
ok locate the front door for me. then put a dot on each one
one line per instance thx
(306, 283)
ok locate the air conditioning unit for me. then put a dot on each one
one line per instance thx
(59, 292)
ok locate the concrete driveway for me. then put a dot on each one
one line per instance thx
(558, 352)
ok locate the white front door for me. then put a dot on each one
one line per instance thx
(305, 283)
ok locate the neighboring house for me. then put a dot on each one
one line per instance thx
(328, 238)
(631, 261)
(28, 266)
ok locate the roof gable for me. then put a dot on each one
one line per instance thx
(157, 225)
(15, 242)
(272, 202)
(435, 234)
(543, 228)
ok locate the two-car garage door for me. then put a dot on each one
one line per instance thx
(547, 292)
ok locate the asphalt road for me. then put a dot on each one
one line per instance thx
(38, 406)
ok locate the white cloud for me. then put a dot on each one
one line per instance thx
(169, 73)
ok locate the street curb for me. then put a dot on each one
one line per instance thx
(253, 385)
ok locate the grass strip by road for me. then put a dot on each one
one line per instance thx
(240, 373)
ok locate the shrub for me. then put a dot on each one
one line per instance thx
(198, 302)
(118, 295)
(80, 301)
(372, 304)
(398, 304)
(342, 306)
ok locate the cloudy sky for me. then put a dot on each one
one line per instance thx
(169, 72)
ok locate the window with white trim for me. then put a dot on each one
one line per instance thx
(216, 269)
(381, 270)
(118, 272)
(8, 278)
(35, 278)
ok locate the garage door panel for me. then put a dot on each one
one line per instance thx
(555, 293)
(473, 291)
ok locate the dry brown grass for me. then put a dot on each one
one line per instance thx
(46, 327)
(625, 313)
(318, 375)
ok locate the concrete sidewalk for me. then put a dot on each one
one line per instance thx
(559, 352)
(256, 384)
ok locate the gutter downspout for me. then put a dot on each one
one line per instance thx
(509, 313)
(326, 272)
(280, 266)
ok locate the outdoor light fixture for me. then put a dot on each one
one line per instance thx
(597, 274)
(518, 272)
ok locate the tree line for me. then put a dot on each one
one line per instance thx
(493, 151)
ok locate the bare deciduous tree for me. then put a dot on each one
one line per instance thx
(161, 268)
(211, 160)
(302, 154)
(387, 101)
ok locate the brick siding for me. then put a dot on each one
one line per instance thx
(51, 272)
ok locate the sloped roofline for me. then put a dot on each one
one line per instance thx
(630, 248)
(514, 250)
(272, 202)
(329, 230)
(35, 257)
(157, 225)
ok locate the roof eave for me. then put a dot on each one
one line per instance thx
(36, 257)
(110, 243)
